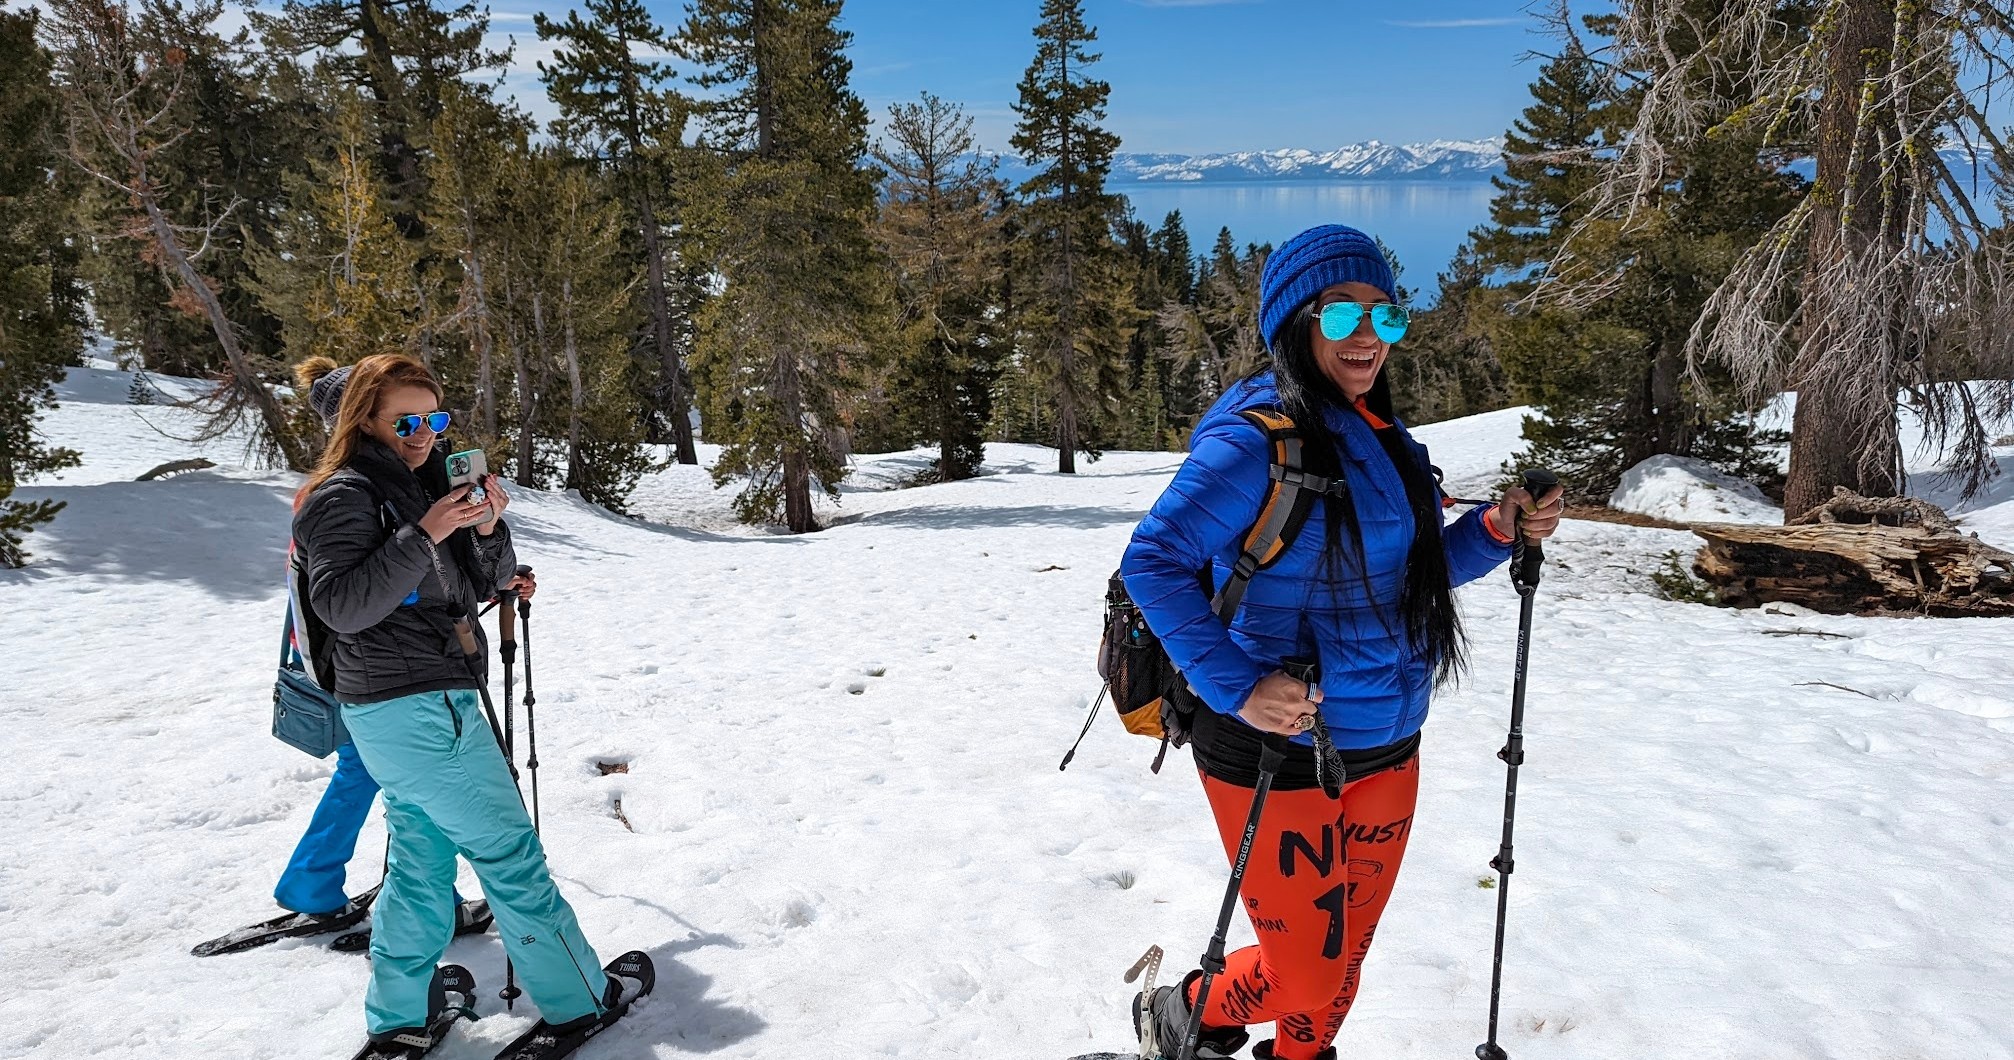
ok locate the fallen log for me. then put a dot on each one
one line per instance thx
(1845, 558)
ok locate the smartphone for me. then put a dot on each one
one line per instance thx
(468, 468)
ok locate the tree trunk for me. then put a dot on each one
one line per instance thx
(1831, 443)
(243, 378)
(671, 385)
(479, 330)
(527, 402)
(1066, 410)
(1671, 415)
(1066, 398)
(578, 399)
(947, 413)
(395, 152)
(1859, 555)
(797, 514)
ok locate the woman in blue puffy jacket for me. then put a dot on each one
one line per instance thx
(1365, 590)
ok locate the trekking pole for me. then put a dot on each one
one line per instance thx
(530, 701)
(1271, 754)
(466, 635)
(507, 647)
(1526, 559)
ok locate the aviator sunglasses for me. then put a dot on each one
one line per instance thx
(1340, 320)
(407, 426)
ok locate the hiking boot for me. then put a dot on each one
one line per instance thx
(630, 976)
(473, 918)
(1167, 1020)
(1264, 1051)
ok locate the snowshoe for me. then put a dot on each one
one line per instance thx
(1264, 1051)
(471, 918)
(1162, 1019)
(630, 976)
(289, 926)
(451, 996)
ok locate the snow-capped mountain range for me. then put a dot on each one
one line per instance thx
(1372, 160)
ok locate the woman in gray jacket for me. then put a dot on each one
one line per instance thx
(396, 563)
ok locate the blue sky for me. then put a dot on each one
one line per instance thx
(1195, 76)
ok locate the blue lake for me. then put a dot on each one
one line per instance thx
(1422, 221)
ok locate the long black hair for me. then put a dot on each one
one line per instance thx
(1426, 611)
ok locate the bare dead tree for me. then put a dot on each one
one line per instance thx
(122, 79)
(1887, 275)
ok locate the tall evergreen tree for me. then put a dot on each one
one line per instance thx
(1214, 340)
(940, 226)
(616, 100)
(781, 206)
(1447, 367)
(243, 137)
(405, 56)
(340, 275)
(123, 82)
(41, 301)
(1857, 290)
(473, 141)
(1609, 376)
(1077, 311)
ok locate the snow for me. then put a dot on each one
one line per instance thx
(1681, 489)
(1740, 833)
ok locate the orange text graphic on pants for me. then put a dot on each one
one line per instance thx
(1319, 875)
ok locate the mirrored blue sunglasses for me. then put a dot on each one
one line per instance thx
(1340, 320)
(407, 426)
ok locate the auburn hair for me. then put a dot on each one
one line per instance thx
(368, 382)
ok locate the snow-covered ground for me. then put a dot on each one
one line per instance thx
(1681, 489)
(1740, 834)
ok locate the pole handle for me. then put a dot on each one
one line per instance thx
(466, 634)
(1527, 557)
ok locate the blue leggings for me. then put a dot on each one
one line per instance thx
(314, 879)
(448, 791)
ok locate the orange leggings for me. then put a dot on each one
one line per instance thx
(1313, 927)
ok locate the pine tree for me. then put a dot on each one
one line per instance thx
(1077, 312)
(1446, 367)
(1214, 340)
(340, 277)
(614, 100)
(242, 138)
(1608, 377)
(405, 56)
(41, 300)
(466, 222)
(941, 228)
(126, 94)
(586, 271)
(781, 206)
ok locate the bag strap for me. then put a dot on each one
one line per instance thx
(289, 653)
(1290, 499)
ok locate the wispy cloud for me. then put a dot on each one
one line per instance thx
(1453, 23)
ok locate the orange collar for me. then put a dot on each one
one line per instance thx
(1370, 417)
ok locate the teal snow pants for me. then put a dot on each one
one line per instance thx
(447, 791)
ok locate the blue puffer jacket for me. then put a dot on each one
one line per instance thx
(1375, 687)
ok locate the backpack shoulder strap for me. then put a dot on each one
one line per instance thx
(1290, 499)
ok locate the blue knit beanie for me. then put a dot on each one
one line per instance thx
(1318, 258)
